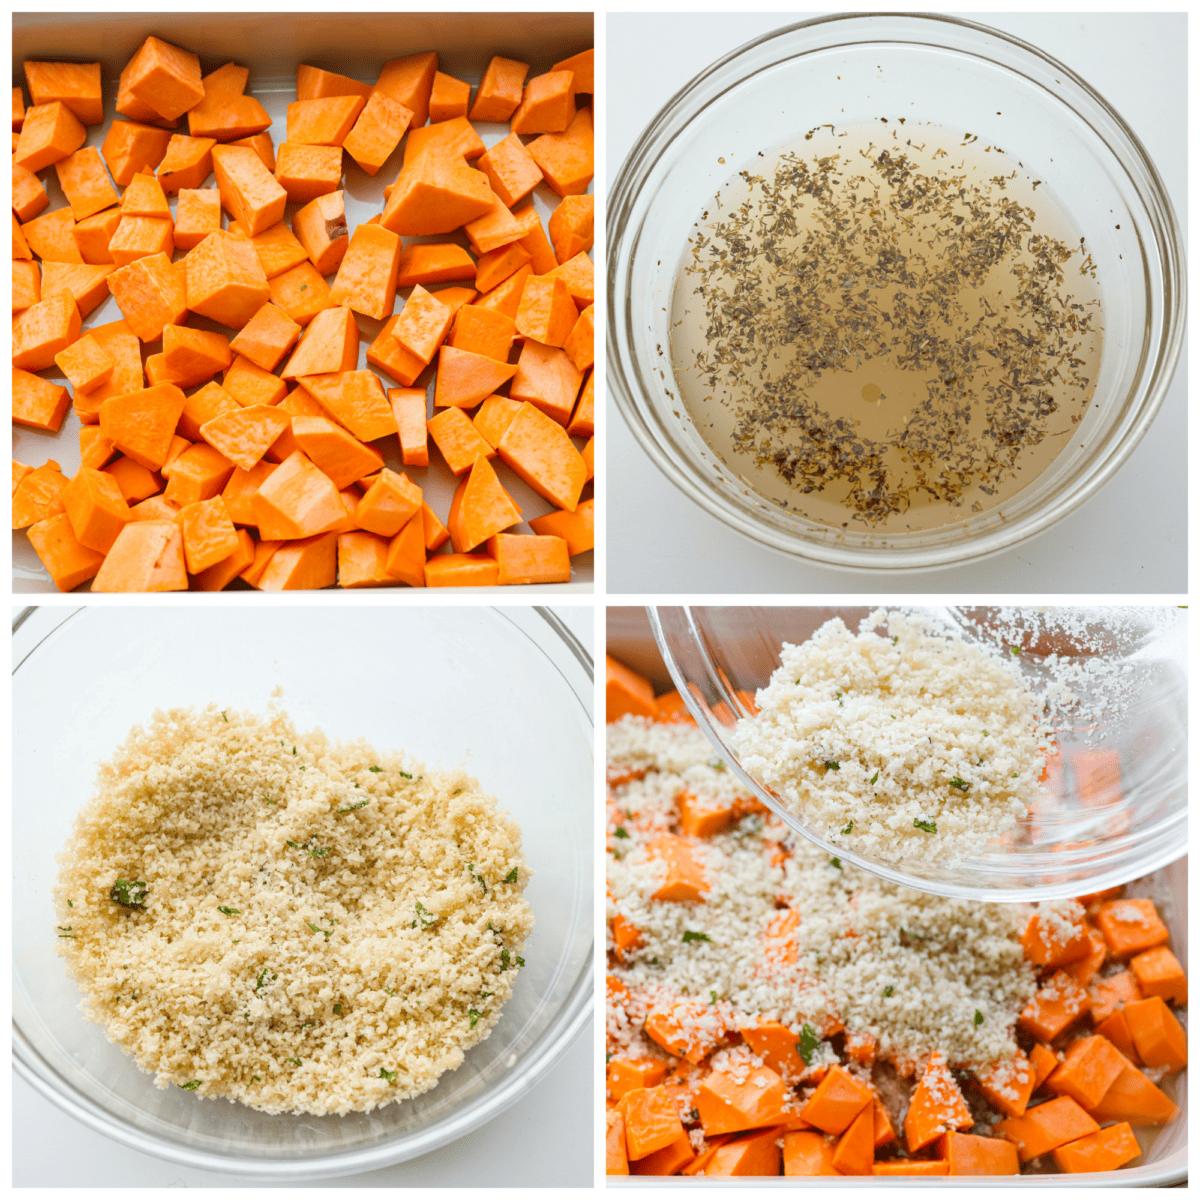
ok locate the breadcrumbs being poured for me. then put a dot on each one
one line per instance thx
(917, 744)
(304, 926)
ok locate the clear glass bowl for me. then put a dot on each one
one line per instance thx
(720, 656)
(942, 70)
(507, 693)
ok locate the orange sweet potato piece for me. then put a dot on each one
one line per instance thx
(465, 379)
(1116, 1029)
(366, 278)
(580, 348)
(626, 692)
(245, 435)
(727, 1103)
(297, 501)
(307, 171)
(1047, 1126)
(439, 262)
(151, 294)
(362, 560)
(567, 160)
(29, 197)
(142, 424)
(1084, 970)
(409, 81)
(93, 234)
(38, 496)
(86, 363)
(85, 182)
(546, 312)
(855, 1151)
(164, 77)
(408, 407)
(208, 534)
(249, 384)
(1158, 973)
(684, 880)
(506, 297)
(240, 489)
(457, 439)
(583, 67)
(51, 237)
(312, 83)
(1158, 1036)
(624, 1074)
(423, 324)
(217, 577)
(1090, 1068)
(77, 85)
(44, 330)
(226, 116)
(577, 529)
(615, 1157)
(436, 194)
(133, 480)
(1103, 1151)
(547, 106)
(1134, 1098)
(572, 226)
(500, 90)
(96, 509)
(498, 265)
(321, 229)
(967, 1154)
(324, 121)
(651, 1120)
(130, 148)
(910, 1166)
(50, 132)
(198, 213)
(480, 508)
(377, 131)
(302, 565)
(144, 197)
(546, 378)
(248, 190)
(1008, 1084)
(539, 451)
(137, 237)
(37, 403)
(88, 284)
(1047, 944)
(386, 353)
(146, 557)
(936, 1106)
(449, 97)
(198, 472)
(494, 416)
(461, 570)
(330, 343)
(225, 280)
(1130, 926)
(510, 169)
(355, 399)
(405, 560)
(1057, 1005)
(389, 503)
(334, 451)
(525, 559)
(579, 274)
(267, 337)
(301, 293)
(837, 1101)
(68, 562)
(186, 164)
(808, 1152)
(26, 284)
(455, 138)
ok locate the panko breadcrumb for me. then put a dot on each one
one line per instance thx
(916, 746)
(325, 929)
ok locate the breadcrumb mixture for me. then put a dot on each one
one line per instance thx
(303, 926)
(917, 745)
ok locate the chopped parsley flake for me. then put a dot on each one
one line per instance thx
(129, 893)
(384, 1073)
(353, 807)
(621, 832)
(875, 777)
(229, 912)
(318, 929)
(375, 769)
(807, 1044)
(887, 991)
(425, 916)
(511, 877)
(832, 766)
(474, 1014)
(959, 784)
(925, 826)
(836, 862)
(191, 1087)
(690, 935)
(848, 828)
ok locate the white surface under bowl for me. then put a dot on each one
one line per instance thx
(507, 693)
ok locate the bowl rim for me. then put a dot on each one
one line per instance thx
(1156, 377)
(564, 1028)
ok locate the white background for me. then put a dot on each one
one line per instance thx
(1131, 538)
(544, 1140)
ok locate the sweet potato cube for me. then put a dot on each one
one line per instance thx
(151, 294)
(26, 284)
(482, 331)
(408, 407)
(936, 1106)
(217, 577)
(546, 313)
(334, 451)
(96, 509)
(260, 143)
(43, 330)
(37, 403)
(198, 213)
(377, 131)
(1158, 973)
(77, 85)
(583, 66)
(506, 297)
(195, 353)
(322, 122)
(146, 557)
(572, 226)
(1047, 944)
(249, 384)
(423, 324)
(449, 97)
(1134, 1098)
(29, 197)
(87, 284)
(93, 234)
(405, 560)
(312, 83)
(838, 1099)
(547, 105)
(500, 90)
(229, 78)
(142, 424)
(494, 267)
(203, 406)
(85, 363)
(297, 501)
(547, 378)
(50, 132)
(1130, 926)
(130, 148)
(1008, 1084)
(356, 400)
(539, 451)
(455, 138)
(386, 353)
(511, 170)
(302, 565)
(425, 262)
(534, 240)
(577, 529)
(140, 237)
(85, 182)
(38, 496)
(50, 237)
(436, 534)
(967, 1154)
(1103, 1151)
(1057, 1005)
(1158, 1036)
(567, 160)
(186, 164)
(809, 1152)
(267, 337)
(366, 278)
(480, 508)
(409, 81)
(306, 172)
(277, 249)
(321, 229)
(362, 560)
(225, 280)
(579, 274)
(457, 439)
(465, 379)
(389, 504)
(1090, 1068)
(580, 345)
(495, 228)
(144, 197)
(329, 344)
(248, 190)
(208, 534)
(523, 558)
(1113, 992)
(301, 293)
(245, 435)
(225, 116)
(165, 78)
(239, 491)
(68, 562)
(436, 194)
(1047, 1126)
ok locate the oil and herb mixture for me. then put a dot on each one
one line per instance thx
(881, 328)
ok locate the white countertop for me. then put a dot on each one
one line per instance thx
(1130, 538)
